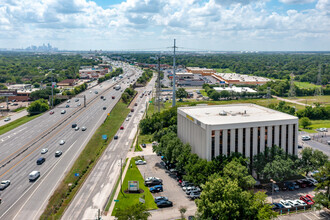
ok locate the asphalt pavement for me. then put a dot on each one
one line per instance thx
(94, 193)
(20, 148)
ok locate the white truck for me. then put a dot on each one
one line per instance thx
(34, 175)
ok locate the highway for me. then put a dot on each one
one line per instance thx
(96, 190)
(20, 148)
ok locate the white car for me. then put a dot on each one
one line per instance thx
(4, 184)
(68, 101)
(293, 203)
(79, 104)
(45, 150)
(305, 138)
(127, 119)
(83, 128)
(300, 202)
(7, 119)
(62, 142)
(151, 178)
(314, 181)
(63, 112)
(140, 162)
(76, 128)
(285, 204)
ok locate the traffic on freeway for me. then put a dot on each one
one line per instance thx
(58, 136)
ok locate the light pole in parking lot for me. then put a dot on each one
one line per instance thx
(271, 180)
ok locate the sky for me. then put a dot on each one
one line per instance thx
(214, 25)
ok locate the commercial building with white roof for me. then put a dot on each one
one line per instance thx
(245, 128)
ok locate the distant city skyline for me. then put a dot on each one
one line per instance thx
(198, 25)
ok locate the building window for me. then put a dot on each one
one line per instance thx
(266, 136)
(236, 140)
(294, 139)
(228, 142)
(243, 142)
(273, 136)
(212, 147)
(221, 141)
(251, 144)
(259, 139)
(287, 139)
(280, 135)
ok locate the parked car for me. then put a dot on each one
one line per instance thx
(140, 162)
(153, 182)
(163, 204)
(197, 190)
(277, 206)
(314, 181)
(307, 182)
(194, 194)
(143, 145)
(4, 184)
(45, 150)
(58, 153)
(67, 106)
(296, 186)
(301, 184)
(310, 197)
(51, 112)
(63, 112)
(314, 172)
(293, 203)
(289, 185)
(305, 138)
(156, 188)
(151, 178)
(160, 198)
(306, 200)
(285, 204)
(300, 202)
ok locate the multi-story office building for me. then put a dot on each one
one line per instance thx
(245, 128)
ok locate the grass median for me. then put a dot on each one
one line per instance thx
(85, 162)
(16, 123)
(127, 200)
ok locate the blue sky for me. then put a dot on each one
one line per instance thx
(224, 25)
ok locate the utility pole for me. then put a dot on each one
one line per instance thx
(158, 99)
(173, 101)
(52, 92)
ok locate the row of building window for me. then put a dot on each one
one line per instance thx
(281, 128)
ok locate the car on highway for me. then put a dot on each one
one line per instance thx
(306, 200)
(115, 137)
(90, 91)
(127, 119)
(79, 104)
(67, 106)
(76, 128)
(104, 108)
(51, 112)
(63, 112)
(41, 160)
(163, 204)
(129, 115)
(7, 119)
(58, 153)
(45, 150)
(74, 125)
(160, 198)
(285, 204)
(4, 184)
(156, 188)
(34, 175)
(77, 100)
(68, 101)
(96, 92)
(62, 142)
(83, 128)
(135, 104)
(102, 97)
(113, 97)
(121, 127)
(140, 162)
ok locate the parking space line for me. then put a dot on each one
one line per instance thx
(315, 215)
(307, 216)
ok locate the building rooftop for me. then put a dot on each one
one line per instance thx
(241, 77)
(234, 113)
(235, 89)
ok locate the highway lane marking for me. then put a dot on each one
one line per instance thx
(44, 177)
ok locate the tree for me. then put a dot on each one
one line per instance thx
(279, 169)
(312, 159)
(224, 94)
(38, 106)
(322, 196)
(181, 93)
(182, 210)
(134, 212)
(222, 198)
(236, 171)
(305, 122)
(214, 95)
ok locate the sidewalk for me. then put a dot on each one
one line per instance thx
(14, 116)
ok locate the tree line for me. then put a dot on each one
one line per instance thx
(146, 76)
(115, 73)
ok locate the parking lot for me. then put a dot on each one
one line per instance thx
(172, 190)
(311, 215)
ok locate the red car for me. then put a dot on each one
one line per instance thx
(307, 200)
(122, 128)
(310, 197)
(51, 112)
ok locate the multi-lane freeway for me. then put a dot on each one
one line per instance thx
(21, 147)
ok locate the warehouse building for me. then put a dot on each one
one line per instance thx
(244, 128)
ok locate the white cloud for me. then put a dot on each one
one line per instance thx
(82, 24)
(297, 1)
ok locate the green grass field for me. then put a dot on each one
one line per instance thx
(126, 200)
(324, 99)
(16, 123)
(306, 85)
(316, 124)
(85, 162)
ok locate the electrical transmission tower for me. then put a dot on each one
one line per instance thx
(174, 90)
(318, 90)
(292, 91)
